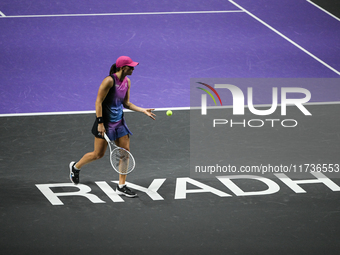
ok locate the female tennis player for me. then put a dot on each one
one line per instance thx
(113, 94)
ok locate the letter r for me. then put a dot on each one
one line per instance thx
(53, 197)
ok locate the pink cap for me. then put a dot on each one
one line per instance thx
(125, 61)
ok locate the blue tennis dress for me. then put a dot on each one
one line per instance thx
(113, 110)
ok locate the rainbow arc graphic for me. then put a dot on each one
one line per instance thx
(209, 93)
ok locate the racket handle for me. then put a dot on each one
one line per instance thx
(107, 138)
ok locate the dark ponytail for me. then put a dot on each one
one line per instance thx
(113, 69)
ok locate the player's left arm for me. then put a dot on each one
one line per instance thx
(128, 105)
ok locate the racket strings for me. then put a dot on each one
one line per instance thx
(122, 161)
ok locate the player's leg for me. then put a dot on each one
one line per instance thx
(122, 189)
(100, 146)
(123, 142)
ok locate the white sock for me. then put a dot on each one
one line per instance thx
(121, 185)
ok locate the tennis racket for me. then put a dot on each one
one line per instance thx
(121, 159)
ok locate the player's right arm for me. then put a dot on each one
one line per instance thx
(103, 90)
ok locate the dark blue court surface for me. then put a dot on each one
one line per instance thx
(53, 59)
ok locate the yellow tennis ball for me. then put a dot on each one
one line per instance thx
(169, 113)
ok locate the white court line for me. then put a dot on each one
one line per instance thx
(117, 14)
(2, 14)
(285, 37)
(330, 14)
(156, 109)
(81, 112)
